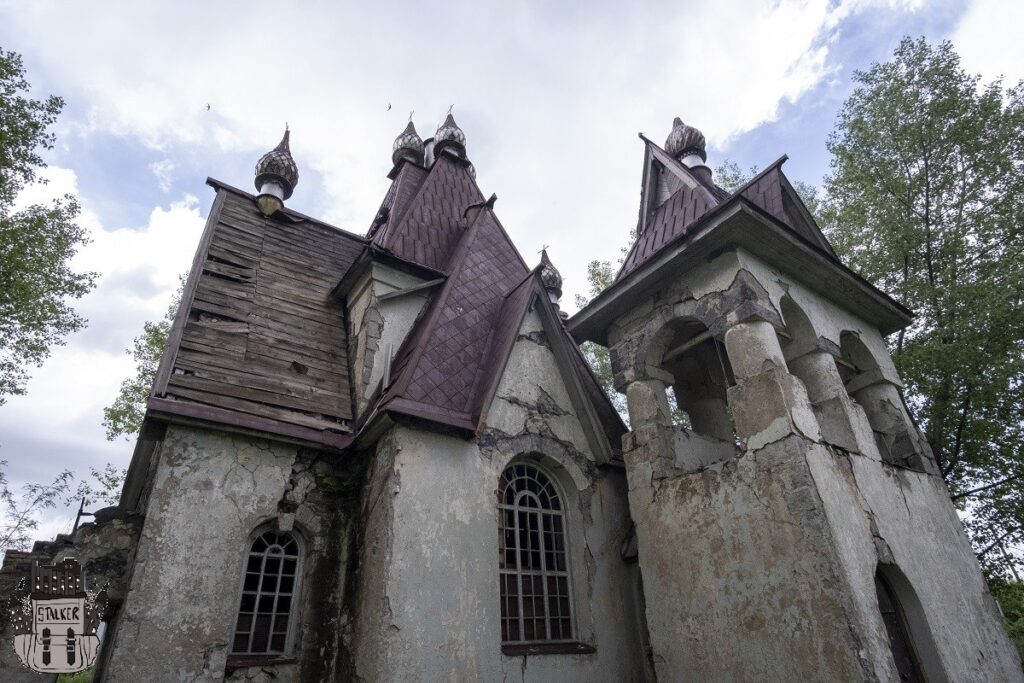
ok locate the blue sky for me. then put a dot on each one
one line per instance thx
(550, 95)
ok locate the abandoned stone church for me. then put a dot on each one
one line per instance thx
(383, 457)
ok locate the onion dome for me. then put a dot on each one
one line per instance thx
(408, 145)
(550, 277)
(450, 136)
(685, 140)
(277, 167)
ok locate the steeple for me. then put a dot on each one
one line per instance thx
(449, 137)
(408, 145)
(276, 177)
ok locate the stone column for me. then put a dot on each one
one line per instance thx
(897, 437)
(841, 420)
(767, 402)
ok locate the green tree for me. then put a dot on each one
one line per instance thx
(36, 243)
(926, 199)
(600, 275)
(20, 509)
(123, 417)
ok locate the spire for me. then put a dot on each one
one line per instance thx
(550, 277)
(450, 137)
(684, 142)
(276, 176)
(408, 145)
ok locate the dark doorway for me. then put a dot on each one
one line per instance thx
(908, 666)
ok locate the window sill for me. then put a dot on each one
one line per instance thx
(527, 649)
(245, 661)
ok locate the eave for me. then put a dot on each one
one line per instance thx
(739, 223)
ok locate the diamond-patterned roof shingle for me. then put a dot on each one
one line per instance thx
(675, 218)
(426, 228)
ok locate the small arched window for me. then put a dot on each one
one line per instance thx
(267, 608)
(536, 602)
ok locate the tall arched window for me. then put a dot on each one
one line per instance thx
(267, 608)
(536, 603)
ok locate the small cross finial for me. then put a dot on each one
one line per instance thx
(411, 112)
(450, 109)
(543, 249)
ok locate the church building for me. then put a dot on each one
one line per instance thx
(382, 456)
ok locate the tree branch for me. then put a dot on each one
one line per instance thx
(987, 487)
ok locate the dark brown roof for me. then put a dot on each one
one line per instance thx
(769, 191)
(427, 222)
(436, 369)
(258, 332)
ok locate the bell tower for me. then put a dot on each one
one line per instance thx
(776, 478)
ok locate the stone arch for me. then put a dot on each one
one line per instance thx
(552, 455)
(694, 366)
(809, 356)
(895, 433)
(912, 645)
(800, 335)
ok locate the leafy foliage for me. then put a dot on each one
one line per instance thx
(104, 487)
(36, 243)
(20, 510)
(123, 417)
(600, 276)
(926, 199)
(1010, 596)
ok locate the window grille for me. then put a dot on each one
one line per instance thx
(534, 575)
(266, 611)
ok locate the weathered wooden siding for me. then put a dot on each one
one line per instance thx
(262, 334)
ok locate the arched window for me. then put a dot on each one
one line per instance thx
(536, 602)
(267, 608)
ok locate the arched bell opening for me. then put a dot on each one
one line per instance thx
(698, 373)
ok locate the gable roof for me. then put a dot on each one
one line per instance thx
(697, 195)
(436, 369)
(257, 333)
(426, 222)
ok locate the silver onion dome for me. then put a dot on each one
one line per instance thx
(550, 277)
(408, 145)
(685, 140)
(450, 136)
(278, 167)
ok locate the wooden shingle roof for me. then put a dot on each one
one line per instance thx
(258, 333)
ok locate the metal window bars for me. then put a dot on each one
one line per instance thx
(536, 601)
(265, 612)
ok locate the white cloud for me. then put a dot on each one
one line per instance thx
(163, 169)
(58, 423)
(989, 42)
(551, 96)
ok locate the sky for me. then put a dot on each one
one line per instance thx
(551, 96)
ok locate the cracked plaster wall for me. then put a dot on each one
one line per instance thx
(211, 490)
(761, 566)
(378, 324)
(428, 597)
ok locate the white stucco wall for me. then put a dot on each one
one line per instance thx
(438, 575)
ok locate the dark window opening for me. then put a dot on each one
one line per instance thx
(536, 602)
(268, 589)
(701, 376)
